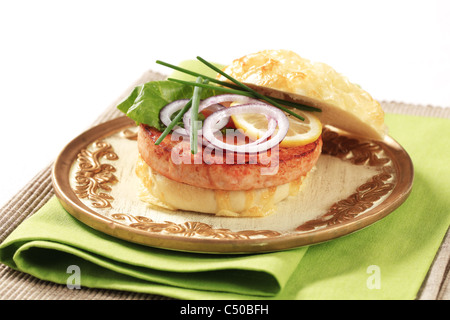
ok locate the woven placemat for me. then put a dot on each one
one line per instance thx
(17, 285)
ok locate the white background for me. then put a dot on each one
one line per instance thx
(63, 62)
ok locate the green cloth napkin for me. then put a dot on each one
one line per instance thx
(50, 241)
(401, 246)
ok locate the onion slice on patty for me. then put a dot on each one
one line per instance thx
(165, 115)
(215, 103)
(276, 118)
(221, 116)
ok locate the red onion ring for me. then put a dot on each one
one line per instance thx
(217, 100)
(229, 98)
(167, 112)
(274, 115)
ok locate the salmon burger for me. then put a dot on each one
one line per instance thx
(246, 143)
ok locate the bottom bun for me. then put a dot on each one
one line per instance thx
(157, 190)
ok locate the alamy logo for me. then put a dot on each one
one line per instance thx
(374, 280)
(74, 280)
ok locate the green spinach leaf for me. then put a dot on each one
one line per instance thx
(146, 101)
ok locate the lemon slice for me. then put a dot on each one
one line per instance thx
(300, 132)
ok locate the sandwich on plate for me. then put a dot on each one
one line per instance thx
(243, 137)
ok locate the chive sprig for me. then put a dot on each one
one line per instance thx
(194, 117)
(238, 89)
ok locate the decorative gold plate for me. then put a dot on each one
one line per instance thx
(355, 184)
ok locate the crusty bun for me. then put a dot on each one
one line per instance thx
(284, 74)
(159, 191)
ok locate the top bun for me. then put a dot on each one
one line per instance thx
(284, 74)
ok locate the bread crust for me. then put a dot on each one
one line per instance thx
(284, 74)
